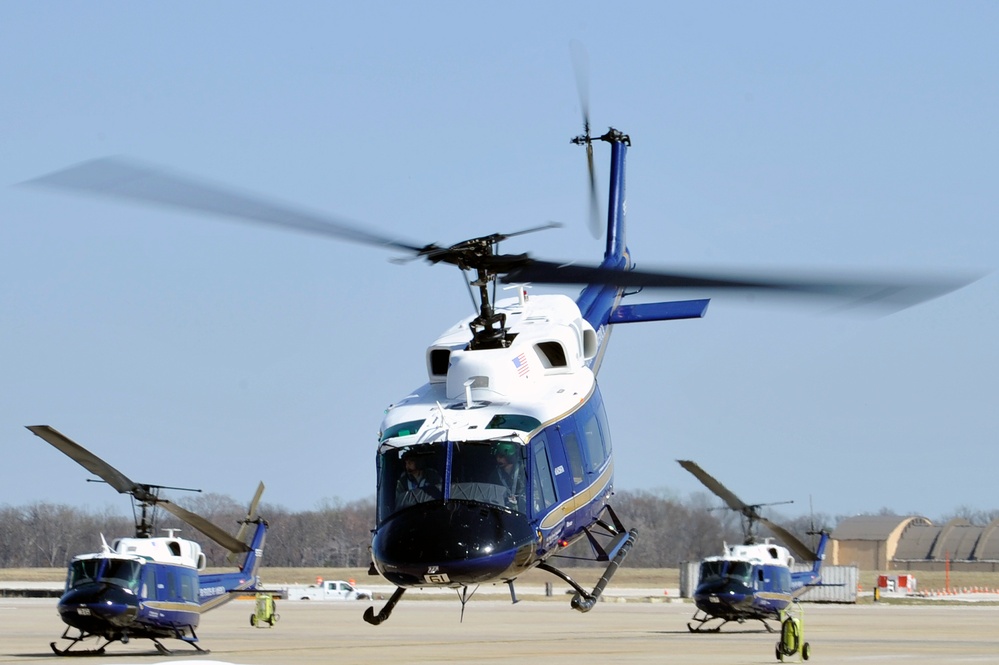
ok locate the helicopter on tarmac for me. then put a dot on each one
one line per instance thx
(502, 459)
(754, 580)
(148, 587)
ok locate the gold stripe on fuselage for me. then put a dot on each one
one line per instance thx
(578, 501)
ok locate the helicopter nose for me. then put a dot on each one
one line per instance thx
(94, 607)
(732, 594)
(453, 544)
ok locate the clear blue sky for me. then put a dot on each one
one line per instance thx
(193, 351)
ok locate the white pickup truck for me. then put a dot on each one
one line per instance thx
(326, 590)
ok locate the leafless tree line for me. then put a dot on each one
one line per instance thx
(337, 534)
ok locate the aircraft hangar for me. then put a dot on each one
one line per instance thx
(912, 543)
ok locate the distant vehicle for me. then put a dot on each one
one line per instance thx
(328, 590)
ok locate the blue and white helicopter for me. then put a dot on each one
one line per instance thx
(502, 458)
(754, 580)
(148, 587)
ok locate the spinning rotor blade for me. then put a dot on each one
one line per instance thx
(896, 293)
(92, 463)
(733, 502)
(119, 178)
(581, 67)
(204, 526)
(800, 549)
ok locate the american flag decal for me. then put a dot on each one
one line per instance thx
(520, 362)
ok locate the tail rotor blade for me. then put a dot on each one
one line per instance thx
(251, 515)
(581, 67)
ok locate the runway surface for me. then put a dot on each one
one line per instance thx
(495, 631)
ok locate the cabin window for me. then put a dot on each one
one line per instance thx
(552, 354)
(571, 443)
(542, 483)
(594, 445)
(514, 421)
(439, 359)
(605, 437)
(148, 581)
(172, 584)
(782, 578)
(189, 586)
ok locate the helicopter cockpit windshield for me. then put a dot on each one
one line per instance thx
(125, 573)
(490, 472)
(737, 571)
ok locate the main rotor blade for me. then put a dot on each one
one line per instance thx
(897, 292)
(91, 462)
(124, 179)
(204, 526)
(726, 495)
(800, 549)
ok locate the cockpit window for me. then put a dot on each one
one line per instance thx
(712, 570)
(740, 571)
(124, 573)
(82, 571)
(410, 475)
(491, 472)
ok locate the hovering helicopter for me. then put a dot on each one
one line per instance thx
(148, 587)
(753, 580)
(502, 459)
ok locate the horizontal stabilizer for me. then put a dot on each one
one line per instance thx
(660, 311)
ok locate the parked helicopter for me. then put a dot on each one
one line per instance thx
(502, 459)
(148, 587)
(753, 580)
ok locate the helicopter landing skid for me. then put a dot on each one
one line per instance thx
(74, 640)
(375, 619)
(584, 600)
(192, 640)
(170, 652)
(703, 619)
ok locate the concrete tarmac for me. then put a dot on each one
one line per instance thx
(495, 631)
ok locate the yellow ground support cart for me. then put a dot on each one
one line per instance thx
(792, 633)
(265, 613)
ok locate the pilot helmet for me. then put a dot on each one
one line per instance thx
(506, 449)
